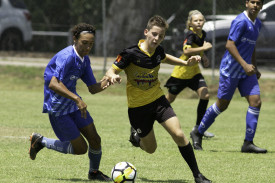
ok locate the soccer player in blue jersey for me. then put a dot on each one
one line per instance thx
(146, 100)
(67, 111)
(238, 70)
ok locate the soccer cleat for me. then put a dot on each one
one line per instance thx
(249, 147)
(202, 179)
(196, 139)
(36, 144)
(99, 176)
(206, 134)
(134, 138)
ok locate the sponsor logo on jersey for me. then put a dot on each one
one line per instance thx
(73, 77)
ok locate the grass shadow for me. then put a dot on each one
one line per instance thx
(166, 181)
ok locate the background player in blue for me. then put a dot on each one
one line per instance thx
(238, 70)
(67, 111)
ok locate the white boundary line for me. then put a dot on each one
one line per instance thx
(14, 137)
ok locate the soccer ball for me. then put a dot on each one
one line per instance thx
(124, 172)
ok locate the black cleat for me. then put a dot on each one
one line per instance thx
(196, 139)
(249, 147)
(134, 138)
(202, 179)
(99, 176)
(36, 144)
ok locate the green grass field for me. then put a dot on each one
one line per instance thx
(21, 91)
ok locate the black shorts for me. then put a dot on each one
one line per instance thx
(175, 85)
(142, 118)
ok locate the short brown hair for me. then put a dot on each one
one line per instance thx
(157, 21)
(77, 29)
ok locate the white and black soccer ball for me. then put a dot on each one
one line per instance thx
(124, 172)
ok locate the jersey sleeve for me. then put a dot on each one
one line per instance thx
(189, 39)
(236, 30)
(62, 67)
(122, 60)
(88, 76)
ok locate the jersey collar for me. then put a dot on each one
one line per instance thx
(82, 59)
(139, 46)
(245, 12)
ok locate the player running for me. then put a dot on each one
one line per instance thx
(238, 70)
(146, 100)
(67, 111)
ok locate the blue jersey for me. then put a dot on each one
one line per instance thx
(244, 33)
(67, 67)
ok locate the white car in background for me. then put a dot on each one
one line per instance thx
(15, 25)
(265, 46)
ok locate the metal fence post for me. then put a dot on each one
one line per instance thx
(104, 35)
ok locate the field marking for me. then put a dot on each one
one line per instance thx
(14, 137)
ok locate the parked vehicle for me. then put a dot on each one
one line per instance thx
(15, 25)
(265, 46)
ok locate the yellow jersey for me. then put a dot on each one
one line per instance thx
(141, 68)
(192, 40)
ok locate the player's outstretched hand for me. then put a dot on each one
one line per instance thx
(114, 78)
(193, 60)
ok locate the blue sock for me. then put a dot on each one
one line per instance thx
(57, 145)
(209, 117)
(95, 157)
(252, 116)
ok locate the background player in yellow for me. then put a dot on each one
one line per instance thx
(146, 100)
(184, 76)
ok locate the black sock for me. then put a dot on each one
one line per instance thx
(202, 106)
(189, 156)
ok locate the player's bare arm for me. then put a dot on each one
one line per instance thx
(176, 61)
(100, 86)
(248, 68)
(193, 51)
(58, 87)
(112, 76)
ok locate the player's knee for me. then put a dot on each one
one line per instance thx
(179, 138)
(204, 94)
(150, 149)
(257, 103)
(170, 98)
(79, 150)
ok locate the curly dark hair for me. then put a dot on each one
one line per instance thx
(77, 29)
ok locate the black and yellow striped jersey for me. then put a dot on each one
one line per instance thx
(141, 68)
(191, 39)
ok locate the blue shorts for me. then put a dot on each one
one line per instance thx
(66, 127)
(247, 86)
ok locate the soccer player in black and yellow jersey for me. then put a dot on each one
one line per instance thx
(146, 100)
(191, 77)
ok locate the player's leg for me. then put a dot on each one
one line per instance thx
(142, 132)
(88, 130)
(70, 142)
(173, 127)
(249, 88)
(175, 86)
(149, 143)
(198, 84)
(170, 97)
(227, 87)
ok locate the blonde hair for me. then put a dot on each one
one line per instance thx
(189, 19)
